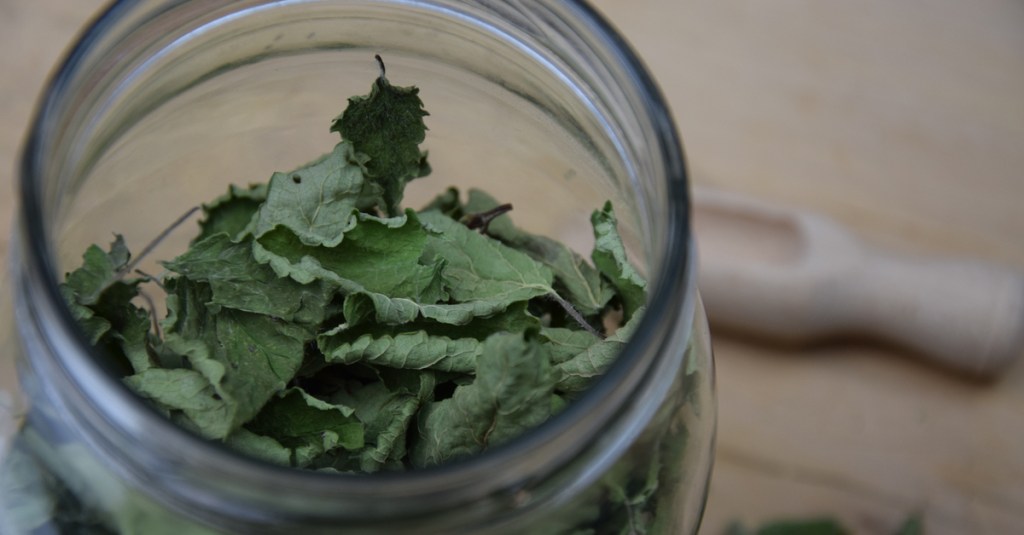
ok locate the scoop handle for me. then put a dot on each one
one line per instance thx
(820, 282)
(965, 314)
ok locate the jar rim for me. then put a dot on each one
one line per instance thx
(672, 288)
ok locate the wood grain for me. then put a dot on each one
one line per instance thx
(903, 120)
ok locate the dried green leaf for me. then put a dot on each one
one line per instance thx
(98, 272)
(479, 268)
(578, 372)
(377, 256)
(310, 427)
(191, 393)
(610, 258)
(232, 212)
(260, 354)
(245, 359)
(514, 318)
(239, 282)
(259, 447)
(414, 349)
(92, 325)
(565, 344)
(131, 333)
(317, 202)
(395, 271)
(582, 283)
(101, 302)
(379, 308)
(387, 413)
(510, 394)
(387, 125)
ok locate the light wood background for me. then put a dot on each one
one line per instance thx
(903, 120)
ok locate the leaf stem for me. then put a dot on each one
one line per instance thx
(481, 220)
(156, 241)
(151, 278)
(575, 314)
(152, 313)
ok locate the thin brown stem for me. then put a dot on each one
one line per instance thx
(481, 220)
(130, 266)
(575, 315)
(152, 313)
(152, 278)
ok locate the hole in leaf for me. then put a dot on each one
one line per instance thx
(297, 179)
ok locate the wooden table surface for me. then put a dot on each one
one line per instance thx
(903, 120)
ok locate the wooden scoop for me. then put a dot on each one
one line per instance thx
(798, 277)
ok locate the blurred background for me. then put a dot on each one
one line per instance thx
(903, 122)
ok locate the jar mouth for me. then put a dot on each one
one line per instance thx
(561, 437)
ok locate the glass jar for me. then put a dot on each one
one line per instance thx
(162, 104)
